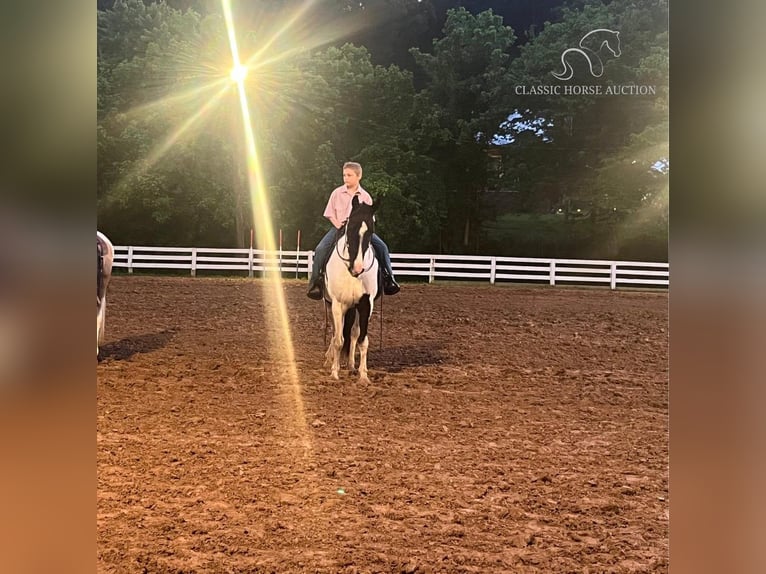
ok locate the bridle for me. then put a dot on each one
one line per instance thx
(348, 260)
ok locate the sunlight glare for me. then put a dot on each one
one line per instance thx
(277, 313)
(158, 152)
(174, 99)
(239, 73)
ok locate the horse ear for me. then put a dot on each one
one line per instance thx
(376, 204)
(355, 201)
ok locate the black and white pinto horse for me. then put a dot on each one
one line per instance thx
(104, 264)
(351, 285)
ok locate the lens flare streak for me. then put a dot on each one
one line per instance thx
(277, 311)
(156, 154)
(178, 98)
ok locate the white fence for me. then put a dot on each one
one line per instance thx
(461, 267)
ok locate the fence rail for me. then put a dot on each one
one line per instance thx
(462, 267)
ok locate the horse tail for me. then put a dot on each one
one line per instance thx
(567, 72)
(348, 323)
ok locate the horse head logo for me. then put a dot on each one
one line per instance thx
(590, 46)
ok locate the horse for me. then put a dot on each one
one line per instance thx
(590, 46)
(104, 261)
(351, 285)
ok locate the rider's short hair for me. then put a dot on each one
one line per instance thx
(354, 166)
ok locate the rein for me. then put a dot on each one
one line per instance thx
(345, 232)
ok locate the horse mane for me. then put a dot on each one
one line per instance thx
(361, 211)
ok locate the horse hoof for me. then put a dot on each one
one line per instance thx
(334, 376)
(364, 380)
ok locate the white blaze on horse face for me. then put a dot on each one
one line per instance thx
(359, 256)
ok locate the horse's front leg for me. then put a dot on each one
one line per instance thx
(100, 324)
(352, 347)
(337, 338)
(329, 353)
(363, 344)
(365, 310)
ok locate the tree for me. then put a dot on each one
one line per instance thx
(154, 62)
(172, 161)
(598, 152)
(348, 109)
(468, 95)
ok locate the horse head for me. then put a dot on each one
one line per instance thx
(612, 43)
(359, 229)
(595, 40)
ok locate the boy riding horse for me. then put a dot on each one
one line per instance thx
(337, 211)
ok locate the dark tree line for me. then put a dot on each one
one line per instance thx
(419, 92)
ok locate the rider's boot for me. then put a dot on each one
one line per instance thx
(315, 288)
(390, 286)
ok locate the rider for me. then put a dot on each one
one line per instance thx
(337, 211)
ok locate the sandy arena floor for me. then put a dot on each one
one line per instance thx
(506, 429)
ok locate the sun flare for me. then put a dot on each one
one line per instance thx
(276, 314)
(238, 73)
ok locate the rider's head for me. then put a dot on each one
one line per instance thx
(352, 173)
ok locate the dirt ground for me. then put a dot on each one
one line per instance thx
(506, 429)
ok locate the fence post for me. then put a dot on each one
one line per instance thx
(130, 259)
(553, 272)
(613, 271)
(250, 263)
(310, 262)
(298, 254)
(432, 270)
(492, 268)
(194, 262)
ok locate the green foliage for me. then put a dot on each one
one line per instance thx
(599, 150)
(641, 237)
(465, 101)
(147, 56)
(172, 166)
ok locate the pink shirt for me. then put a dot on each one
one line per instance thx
(339, 204)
